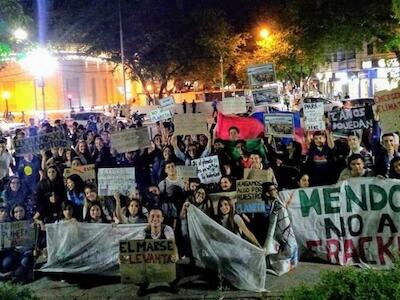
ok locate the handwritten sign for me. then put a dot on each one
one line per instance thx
(208, 170)
(266, 96)
(259, 75)
(257, 174)
(167, 102)
(249, 196)
(186, 172)
(388, 109)
(112, 180)
(34, 144)
(130, 139)
(87, 172)
(19, 233)
(313, 116)
(159, 114)
(188, 124)
(147, 261)
(279, 125)
(234, 105)
(351, 119)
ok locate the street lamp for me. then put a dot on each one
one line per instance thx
(20, 34)
(41, 64)
(264, 33)
(6, 97)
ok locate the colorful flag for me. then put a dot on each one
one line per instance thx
(249, 128)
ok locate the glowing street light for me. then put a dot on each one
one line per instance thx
(41, 64)
(20, 34)
(264, 33)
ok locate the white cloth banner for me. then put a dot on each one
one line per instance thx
(215, 247)
(353, 222)
(74, 247)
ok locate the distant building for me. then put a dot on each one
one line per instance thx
(358, 74)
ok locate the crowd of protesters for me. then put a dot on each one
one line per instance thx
(33, 186)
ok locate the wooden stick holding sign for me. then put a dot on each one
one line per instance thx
(145, 261)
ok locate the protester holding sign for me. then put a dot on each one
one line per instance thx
(132, 213)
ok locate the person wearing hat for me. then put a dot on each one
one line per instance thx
(5, 163)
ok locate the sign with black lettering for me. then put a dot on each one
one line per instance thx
(208, 170)
(147, 261)
(34, 144)
(248, 196)
(351, 119)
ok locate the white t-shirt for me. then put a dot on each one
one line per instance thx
(168, 232)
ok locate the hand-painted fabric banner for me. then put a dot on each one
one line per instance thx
(249, 128)
(353, 222)
(74, 247)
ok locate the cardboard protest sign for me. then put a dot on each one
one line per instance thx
(214, 197)
(186, 172)
(159, 114)
(351, 119)
(256, 174)
(355, 221)
(234, 105)
(314, 116)
(388, 108)
(248, 193)
(188, 124)
(86, 172)
(208, 170)
(130, 139)
(112, 180)
(265, 96)
(260, 75)
(88, 248)
(46, 141)
(19, 233)
(147, 261)
(279, 125)
(167, 102)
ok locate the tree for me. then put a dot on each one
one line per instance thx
(163, 40)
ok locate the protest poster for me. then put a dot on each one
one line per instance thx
(167, 102)
(20, 233)
(189, 124)
(353, 222)
(314, 116)
(279, 125)
(248, 196)
(147, 261)
(266, 96)
(388, 108)
(33, 144)
(159, 114)
(259, 75)
(234, 105)
(214, 197)
(186, 172)
(86, 172)
(351, 119)
(112, 180)
(257, 174)
(86, 248)
(208, 170)
(130, 139)
(216, 248)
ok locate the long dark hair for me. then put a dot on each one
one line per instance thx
(231, 226)
(140, 208)
(78, 182)
(392, 172)
(88, 218)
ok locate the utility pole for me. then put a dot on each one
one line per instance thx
(221, 60)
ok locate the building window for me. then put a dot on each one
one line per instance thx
(341, 56)
(351, 54)
(370, 49)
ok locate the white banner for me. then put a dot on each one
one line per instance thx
(112, 180)
(353, 222)
(74, 247)
(167, 102)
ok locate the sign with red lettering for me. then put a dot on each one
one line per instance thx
(147, 261)
(353, 222)
(388, 108)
